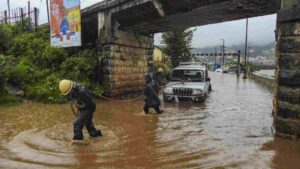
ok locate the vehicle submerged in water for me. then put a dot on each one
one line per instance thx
(189, 82)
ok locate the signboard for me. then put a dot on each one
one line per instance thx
(65, 23)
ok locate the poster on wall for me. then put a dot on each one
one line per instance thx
(65, 23)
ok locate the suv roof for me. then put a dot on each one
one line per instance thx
(191, 65)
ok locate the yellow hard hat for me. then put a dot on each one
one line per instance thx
(65, 86)
(160, 70)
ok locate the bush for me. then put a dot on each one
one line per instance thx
(6, 100)
(2, 77)
(46, 90)
(165, 67)
(99, 91)
(5, 36)
(80, 67)
(24, 73)
(53, 57)
(31, 64)
(2, 83)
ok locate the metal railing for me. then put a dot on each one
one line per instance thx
(20, 15)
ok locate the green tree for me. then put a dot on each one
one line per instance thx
(178, 45)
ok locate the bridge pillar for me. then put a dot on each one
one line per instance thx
(127, 58)
(287, 91)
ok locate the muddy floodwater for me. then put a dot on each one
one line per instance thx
(232, 129)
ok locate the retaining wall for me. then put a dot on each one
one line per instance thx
(268, 82)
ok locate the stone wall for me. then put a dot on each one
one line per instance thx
(126, 62)
(287, 90)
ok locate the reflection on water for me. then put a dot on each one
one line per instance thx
(232, 129)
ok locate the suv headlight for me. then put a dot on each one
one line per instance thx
(197, 92)
(168, 90)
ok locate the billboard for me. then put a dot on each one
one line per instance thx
(65, 23)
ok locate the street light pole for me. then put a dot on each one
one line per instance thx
(215, 59)
(223, 52)
(47, 4)
(246, 46)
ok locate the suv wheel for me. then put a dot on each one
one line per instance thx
(210, 88)
(165, 99)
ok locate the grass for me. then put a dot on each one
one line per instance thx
(6, 105)
(8, 101)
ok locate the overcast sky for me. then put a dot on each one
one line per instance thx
(261, 29)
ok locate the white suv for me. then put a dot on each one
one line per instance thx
(189, 81)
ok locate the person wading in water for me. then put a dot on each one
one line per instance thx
(83, 99)
(151, 93)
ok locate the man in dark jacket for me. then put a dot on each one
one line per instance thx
(83, 99)
(151, 93)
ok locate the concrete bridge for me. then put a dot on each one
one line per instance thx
(123, 31)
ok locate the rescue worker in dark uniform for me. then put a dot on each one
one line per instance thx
(151, 94)
(83, 99)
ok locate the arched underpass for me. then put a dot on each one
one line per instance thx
(123, 31)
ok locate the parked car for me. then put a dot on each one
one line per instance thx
(232, 69)
(221, 70)
(189, 81)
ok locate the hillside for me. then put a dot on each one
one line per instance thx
(267, 50)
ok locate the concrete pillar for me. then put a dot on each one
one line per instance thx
(127, 55)
(287, 90)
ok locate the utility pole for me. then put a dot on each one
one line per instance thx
(22, 19)
(48, 13)
(223, 52)
(5, 17)
(215, 59)
(238, 64)
(246, 46)
(35, 19)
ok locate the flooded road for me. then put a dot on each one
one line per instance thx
(232, 129)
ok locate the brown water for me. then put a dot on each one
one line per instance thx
(232, 129)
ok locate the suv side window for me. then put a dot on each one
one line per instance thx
(206, 74)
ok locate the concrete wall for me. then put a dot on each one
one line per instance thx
(268, 82)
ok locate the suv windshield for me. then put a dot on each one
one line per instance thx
(188, 75)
